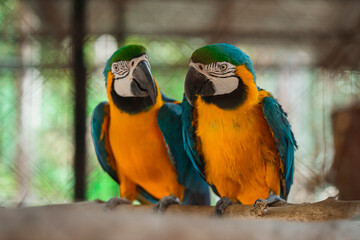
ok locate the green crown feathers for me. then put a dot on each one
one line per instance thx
(125, 53)
(222, 52)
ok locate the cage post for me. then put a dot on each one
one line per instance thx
(78, 33)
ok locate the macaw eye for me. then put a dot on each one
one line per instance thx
(132, 63)
(115, 67)
(201, 67)
(223, 67)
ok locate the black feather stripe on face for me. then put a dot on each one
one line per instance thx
(231, 100)
(131, 105)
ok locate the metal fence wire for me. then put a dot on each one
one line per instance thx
(37, 102)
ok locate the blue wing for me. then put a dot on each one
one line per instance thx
(99, 131)
(189, 138)
(100, 135)
(196, 189)
(166, 98)
(284, 138)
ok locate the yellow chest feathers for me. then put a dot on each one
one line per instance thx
(140, 153)
(235, 144)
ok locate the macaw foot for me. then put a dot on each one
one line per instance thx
(113, 202)
(261, 205)
(221, 206)
(99, 201)
(164, 203)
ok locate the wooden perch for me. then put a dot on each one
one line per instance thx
(326, 210)
(329, 209)
(88, 220)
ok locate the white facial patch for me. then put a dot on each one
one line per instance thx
(221, 74)
(225, 85)
(123, 75)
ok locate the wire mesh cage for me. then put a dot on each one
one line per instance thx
(37, 90)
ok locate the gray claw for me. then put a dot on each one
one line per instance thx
(164, 203)
(221, 205)
(261, 205)
(113, 202)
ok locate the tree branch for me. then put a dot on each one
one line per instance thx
(329, 209)
(88, 220)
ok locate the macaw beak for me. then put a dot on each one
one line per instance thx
(143, 83)
(197, 83)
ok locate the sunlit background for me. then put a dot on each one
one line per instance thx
(305, 52)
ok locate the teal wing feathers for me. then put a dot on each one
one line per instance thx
(284, 138)
(99, 132)
(189, 138)
(196, 189)
(166, 98)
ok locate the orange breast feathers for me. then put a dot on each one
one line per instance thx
(240, 154)
(140, 153)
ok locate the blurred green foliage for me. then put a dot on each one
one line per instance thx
(307, 94)
(51, 94)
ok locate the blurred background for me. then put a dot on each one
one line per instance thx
(305, 52)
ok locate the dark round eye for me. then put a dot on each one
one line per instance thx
(132, 63)
(223, 67)
(201, 67)
(115, 67)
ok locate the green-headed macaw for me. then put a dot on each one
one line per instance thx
(236, 134)
(138, 135)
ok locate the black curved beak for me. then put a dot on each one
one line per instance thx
(143, 83)
(197, 83)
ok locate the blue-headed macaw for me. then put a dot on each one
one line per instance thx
(236, 134)
(138, 135)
